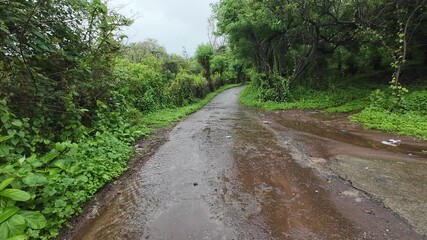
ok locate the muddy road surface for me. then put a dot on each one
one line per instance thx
(230, 172)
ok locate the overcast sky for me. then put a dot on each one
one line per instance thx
(174, 23)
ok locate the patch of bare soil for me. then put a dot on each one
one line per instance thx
(395, 177)
(144, 149)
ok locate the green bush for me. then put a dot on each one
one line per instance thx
(416, 101)
(187, 88)
(141, 84)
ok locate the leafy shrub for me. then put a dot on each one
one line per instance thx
(217, 80)
(142, 84)
(15, 222)
(416, 101)
(187, 88)
(271, 87)
(61, 181)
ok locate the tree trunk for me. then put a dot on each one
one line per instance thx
(425, 55)
(208, 77)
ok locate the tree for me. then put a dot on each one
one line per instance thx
(56, 59)
(289, 41)
(204, 55)
(150, 47)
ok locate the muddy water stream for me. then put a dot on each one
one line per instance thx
(223, 174)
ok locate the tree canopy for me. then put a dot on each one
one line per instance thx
(288, 41)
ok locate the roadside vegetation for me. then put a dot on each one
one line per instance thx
(74, 99)
(365, 57)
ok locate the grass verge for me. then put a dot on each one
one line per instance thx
(358, 100)
(409, 123)
(335, 100)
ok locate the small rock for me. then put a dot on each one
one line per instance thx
(381, 179)
(93, 213)
(367, 211)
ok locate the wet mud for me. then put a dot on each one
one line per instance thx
(396, 177)
(230, 172)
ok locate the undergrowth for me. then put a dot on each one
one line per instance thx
(332, 100)
(408, 123)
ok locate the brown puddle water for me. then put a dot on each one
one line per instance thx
(394, 176)
(291, 200)
(223, 175)
(329, 128)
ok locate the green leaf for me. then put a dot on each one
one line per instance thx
(4, 138)
(37, 33)
(17, 123)
(33, 219)
(60, 147)
(60, 203)
(49, 157)
(6, 202)
(4, 150)
(14, 226)
(11, 132)
(7, 169)
(16, 194)
(41, 45)
(4, 118)
(34, 180)
(22, 160)
(7, 213)
(60, 163)
(6, 183)
(19, 150)
(19, 237)
(31, 158)
(14, 141)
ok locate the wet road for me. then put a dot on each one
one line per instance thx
(224, 175)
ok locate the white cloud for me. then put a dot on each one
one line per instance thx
(173, 23)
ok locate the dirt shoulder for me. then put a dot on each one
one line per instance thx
(396, 177)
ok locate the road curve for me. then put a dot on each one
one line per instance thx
(224, 175)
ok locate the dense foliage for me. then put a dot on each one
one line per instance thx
(287, 45)
(73, 100)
